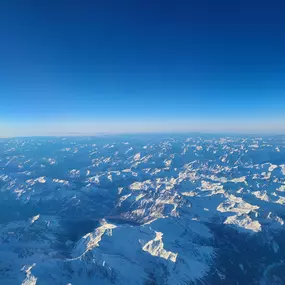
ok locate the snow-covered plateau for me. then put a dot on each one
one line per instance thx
(142, 209)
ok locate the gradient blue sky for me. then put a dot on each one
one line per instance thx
(127, 66)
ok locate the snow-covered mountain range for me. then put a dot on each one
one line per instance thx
(153, 209)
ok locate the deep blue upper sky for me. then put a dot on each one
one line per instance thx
(145, 61)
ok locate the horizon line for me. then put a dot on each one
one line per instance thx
(76, 134)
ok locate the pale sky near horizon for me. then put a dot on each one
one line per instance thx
(92, 128)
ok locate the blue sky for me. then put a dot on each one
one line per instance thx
(130, 66)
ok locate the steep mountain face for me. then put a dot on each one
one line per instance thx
(142, 210)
